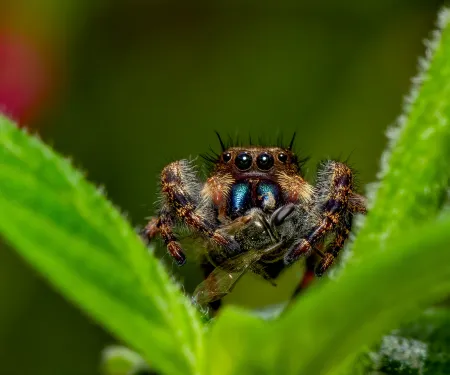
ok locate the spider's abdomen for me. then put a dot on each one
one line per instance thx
(245, 195)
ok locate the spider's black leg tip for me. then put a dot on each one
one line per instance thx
(181, 262)
(176, 253)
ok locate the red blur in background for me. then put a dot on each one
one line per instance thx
(26, 79)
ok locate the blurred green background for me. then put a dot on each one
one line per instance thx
(125, 87)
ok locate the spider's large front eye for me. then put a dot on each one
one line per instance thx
(264, 161)
(243, 161)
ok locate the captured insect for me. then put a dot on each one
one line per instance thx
(256, 212)
(262, 238)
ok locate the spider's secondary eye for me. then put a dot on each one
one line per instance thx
(243, 161)
(226, 157)
(264, 161)
(282, 157)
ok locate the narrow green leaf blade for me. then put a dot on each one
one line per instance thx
(66, 229)
(415, 170)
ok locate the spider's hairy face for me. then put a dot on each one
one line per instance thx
(257, 162)
(254, 177)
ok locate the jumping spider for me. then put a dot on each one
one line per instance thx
(262, 186)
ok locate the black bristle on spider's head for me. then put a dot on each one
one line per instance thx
(212, 157)
(220, 141)
(291, 143)
(262, 141)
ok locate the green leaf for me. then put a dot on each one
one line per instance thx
(118, 360)
(415, 169)
(66, 229)
(238, 344)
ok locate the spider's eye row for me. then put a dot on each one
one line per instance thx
(264, 161)
(282, 157)
(243, 161)
(226, 157)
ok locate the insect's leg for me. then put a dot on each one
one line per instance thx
(334, 184)
(176, 181)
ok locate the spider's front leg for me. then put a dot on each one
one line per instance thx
(332, 211)
(180, 189)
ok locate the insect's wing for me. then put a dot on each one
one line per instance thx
(222, 279)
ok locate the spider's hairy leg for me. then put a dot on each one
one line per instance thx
(165, 225)
(151, 230)
(333, 250)
(333, 191)
(357, 203)
(162, 226)
(181, 192)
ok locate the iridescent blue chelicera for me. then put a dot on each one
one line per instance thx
(266, 191)
(243, 197)
(240, 199)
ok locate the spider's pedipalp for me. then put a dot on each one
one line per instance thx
(295, 187)
(215, 193)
